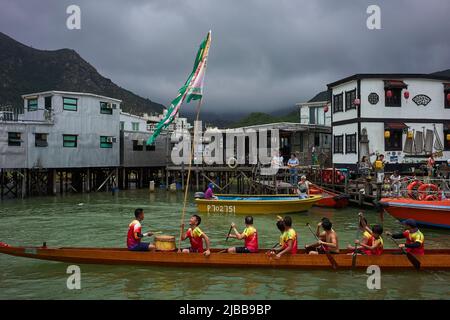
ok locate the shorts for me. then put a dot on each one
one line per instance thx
(141, 246)
(242, 250)
(320, 250)
(192, 250)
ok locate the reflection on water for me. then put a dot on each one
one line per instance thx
(102, 219)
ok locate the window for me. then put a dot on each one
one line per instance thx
(396, 99)
(14, 139)
(32, 104)
(48, 103)
(338, 103)
(138, 145)
(105, 108)
(106, 142)
(339, 144)
(69, 141)
(70, 104)
(40, 140)
(350, 97)
(447, 101)
(122, 125)
(150, 147)
(316, 139)
(312, 115)
(394, 142)
(350, 143)
(446, 141)
(135, 126)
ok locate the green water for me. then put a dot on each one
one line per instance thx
(102, 220)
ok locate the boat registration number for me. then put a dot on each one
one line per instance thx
(212, 208)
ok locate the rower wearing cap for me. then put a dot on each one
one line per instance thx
(415, 241)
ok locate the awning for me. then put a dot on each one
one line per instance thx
(392, 84)
(446, 86)
(395, 125)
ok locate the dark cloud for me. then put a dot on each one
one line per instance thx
(265, 53)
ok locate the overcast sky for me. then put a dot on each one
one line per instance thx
(265, 54)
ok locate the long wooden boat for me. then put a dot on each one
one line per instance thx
(426, 213)
(433, 259)
(329, 199)
(256, 204)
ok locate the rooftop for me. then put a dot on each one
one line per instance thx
(360, 76)
(85, 94)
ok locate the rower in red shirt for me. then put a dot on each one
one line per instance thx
(415, 241)
(249, 235)
(196, 237)
(134, 235)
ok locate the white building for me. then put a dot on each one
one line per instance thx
(61, 130)
(406, 117)
(316, 111)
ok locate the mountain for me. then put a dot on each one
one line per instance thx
(27, 70)
(256, 118)
(443, 73)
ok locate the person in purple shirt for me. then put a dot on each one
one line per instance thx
(209, 194)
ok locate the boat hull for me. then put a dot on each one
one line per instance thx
(427, 213)
(329, 199)
(256, 204)
(433, 259)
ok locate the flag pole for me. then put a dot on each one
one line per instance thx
(186, 188)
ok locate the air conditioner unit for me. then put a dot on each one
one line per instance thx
(110, 139)
(109, 105)
(140, 142)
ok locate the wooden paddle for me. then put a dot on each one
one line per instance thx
(412, 258)
(327, 253)
(229, 232)
(355, 252)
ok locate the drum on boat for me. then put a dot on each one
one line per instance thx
(165, 243)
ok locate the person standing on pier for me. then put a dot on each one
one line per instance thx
(196, 237)
(250, 236)
(293, 164)
(135, 235)
(415, 241)
(379, 168)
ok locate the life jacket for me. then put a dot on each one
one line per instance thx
(195, 237)
(375, 252)
(413, 238)
(251, 239)
(134, 227)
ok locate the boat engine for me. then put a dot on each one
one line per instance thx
(199, 195)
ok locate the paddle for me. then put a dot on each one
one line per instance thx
(330, 258)
(229, 232)
(355, 252)
(412, 258)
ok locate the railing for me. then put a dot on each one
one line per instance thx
(10, 113)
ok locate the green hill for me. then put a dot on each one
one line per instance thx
(256, 118)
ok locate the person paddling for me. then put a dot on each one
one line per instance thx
(250, 236)
(328, 239)
(196, 237)
(415, 240)
(288, 240)
(134, 235)
(366, 235)
(374, 245)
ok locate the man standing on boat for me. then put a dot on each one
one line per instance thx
(135, 235)
(293, 164)
(249, 235)
(415, 241)
(196, 237)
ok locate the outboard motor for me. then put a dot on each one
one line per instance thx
(199, 195)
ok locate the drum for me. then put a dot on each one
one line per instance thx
(165, 243)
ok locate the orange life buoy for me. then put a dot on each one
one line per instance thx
(411, 187)
(425, 189)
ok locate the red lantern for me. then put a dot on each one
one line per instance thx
(389, 94)
(325, 108)
(406, 94)
(357, 102)
(448, 97)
